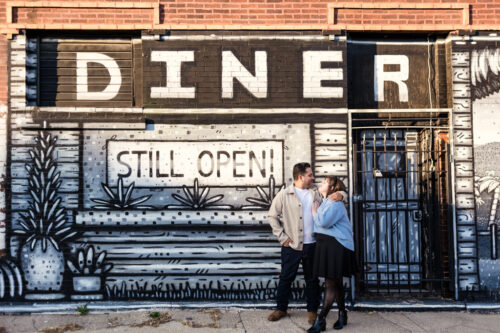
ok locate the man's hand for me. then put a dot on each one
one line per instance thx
(335, 197)
(315, 207)
(288, 242)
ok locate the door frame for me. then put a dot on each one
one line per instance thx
(352, 113)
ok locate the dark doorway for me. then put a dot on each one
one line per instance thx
(401, 217)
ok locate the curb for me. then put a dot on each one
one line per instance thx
(102, 307)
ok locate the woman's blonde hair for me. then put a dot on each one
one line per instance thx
(335, 184)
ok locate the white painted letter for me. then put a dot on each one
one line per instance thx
(233, 69)
(82, 86)
(314, 74)
(396, 77)
(173, 59)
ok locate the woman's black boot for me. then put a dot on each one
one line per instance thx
(318, 326)
(342, 320)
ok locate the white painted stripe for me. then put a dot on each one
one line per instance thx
(483, 306)
(55, 308)
(411, 305)
(122, 306)
(195, 111)
(232, 110)
(238, 38)
(477, 38)
(404, 42)
(392, 42)
(85, 40)
(3, 171)
(400, 110)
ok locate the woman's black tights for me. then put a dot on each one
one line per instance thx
(334, 290)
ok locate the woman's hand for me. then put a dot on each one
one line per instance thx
(315, 207)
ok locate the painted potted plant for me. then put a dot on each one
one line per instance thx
(88, 272)
(45, 227)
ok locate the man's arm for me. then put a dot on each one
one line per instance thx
(338, 196)
(273, 215)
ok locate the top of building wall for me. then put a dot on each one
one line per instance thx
(384, 15)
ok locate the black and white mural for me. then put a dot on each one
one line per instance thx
(110, 200)
(143, 169)
(485, 80)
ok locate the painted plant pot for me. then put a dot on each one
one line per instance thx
(43, 270)
(87, 283)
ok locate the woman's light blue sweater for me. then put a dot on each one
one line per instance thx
(331, 219)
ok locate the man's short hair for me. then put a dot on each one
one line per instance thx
(300, 169)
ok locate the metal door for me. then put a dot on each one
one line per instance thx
(393, 208)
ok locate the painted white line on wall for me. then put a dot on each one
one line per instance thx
(236, 38)
(3, 172)
(198, 110)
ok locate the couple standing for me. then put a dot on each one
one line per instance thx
(313, 228)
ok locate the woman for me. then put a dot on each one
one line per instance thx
(334, 256)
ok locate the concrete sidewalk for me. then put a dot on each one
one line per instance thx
(247, 321)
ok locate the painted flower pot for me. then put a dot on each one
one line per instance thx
(86, 283)
(43, 271)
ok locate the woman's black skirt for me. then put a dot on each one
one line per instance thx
(331, 259)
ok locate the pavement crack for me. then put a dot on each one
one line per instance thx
(241, 321)
(293, 322)
(413, 321)
(393, 323)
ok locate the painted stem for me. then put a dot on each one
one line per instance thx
(494, 205)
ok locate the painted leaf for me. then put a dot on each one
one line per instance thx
(120, 190)
(72, 267)
(81, 260)
(100, 259)
(90, 256)
(139, 200)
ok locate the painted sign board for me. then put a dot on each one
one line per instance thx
(95, 73)
(401, 75)
(256, 73)
(176, 163)
(260, 73)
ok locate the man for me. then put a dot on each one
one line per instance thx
(295, 233)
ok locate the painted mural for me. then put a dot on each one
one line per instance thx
(485, 79)
(144, 169)
(173, 207)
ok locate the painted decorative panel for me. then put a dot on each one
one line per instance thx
(485, 79)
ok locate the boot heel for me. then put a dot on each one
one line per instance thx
(341, 322)
(318, 326)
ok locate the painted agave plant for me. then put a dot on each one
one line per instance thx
(266, 198)
(44, 225)
(197, 199)
(45, 220)
(87, 264)
(122, 199)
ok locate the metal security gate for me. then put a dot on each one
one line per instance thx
(401, 211)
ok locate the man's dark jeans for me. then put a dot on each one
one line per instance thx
(290, 260)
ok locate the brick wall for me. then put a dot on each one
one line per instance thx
(321, 14)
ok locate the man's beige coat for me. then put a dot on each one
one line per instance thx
(285, 216)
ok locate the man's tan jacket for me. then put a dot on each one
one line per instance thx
(285, 216)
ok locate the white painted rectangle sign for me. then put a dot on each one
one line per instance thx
(177, 163)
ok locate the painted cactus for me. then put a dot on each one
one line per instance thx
(44, 226)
